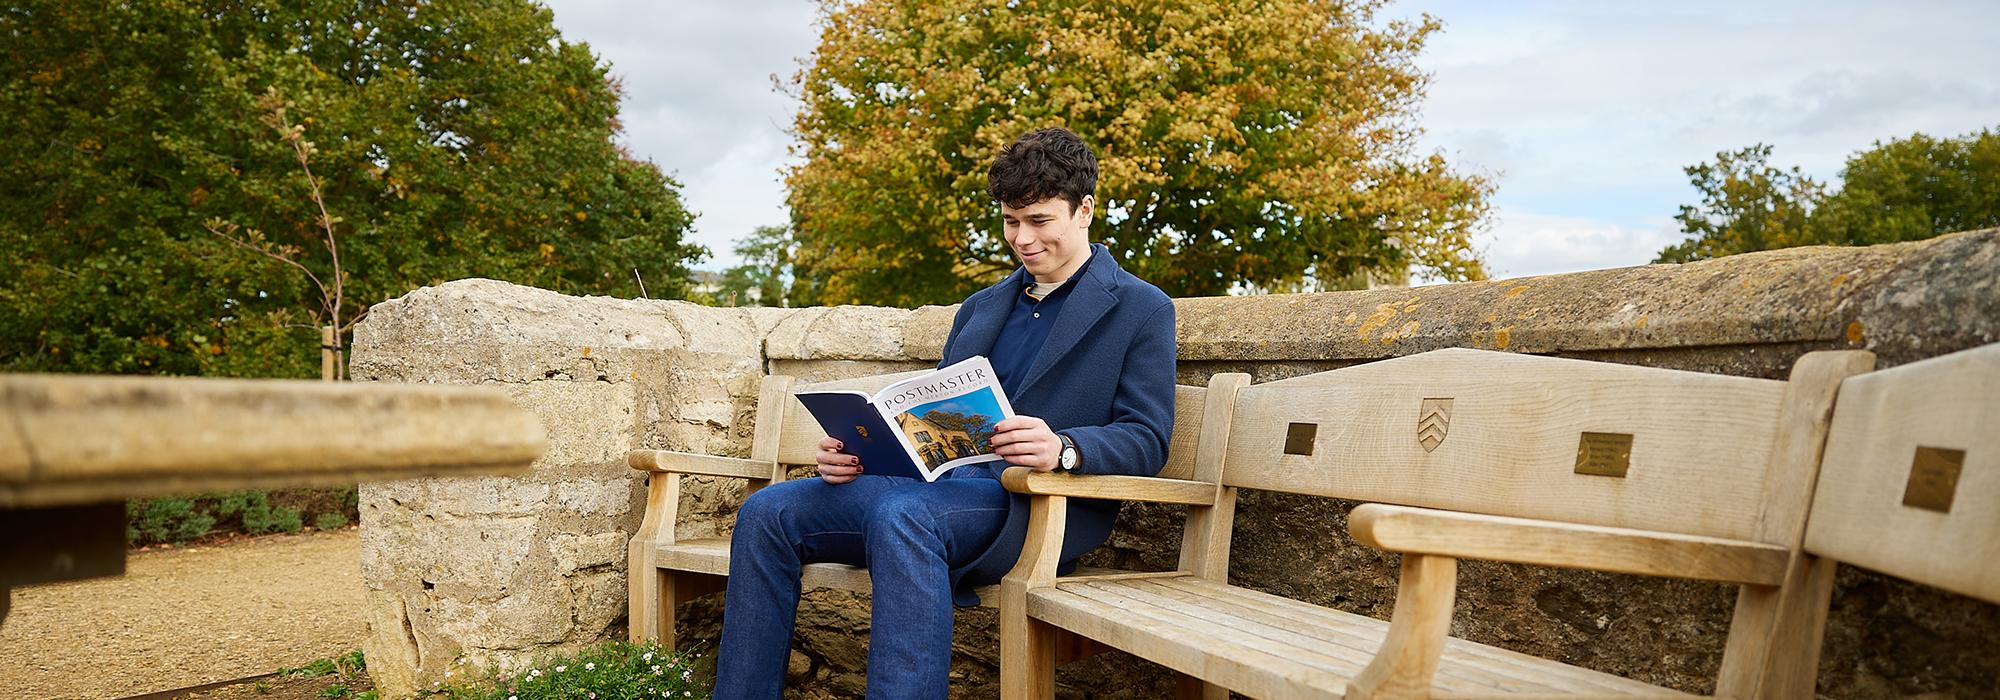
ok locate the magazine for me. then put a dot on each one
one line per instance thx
(920, 427)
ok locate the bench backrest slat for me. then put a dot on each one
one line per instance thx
(800, 435)
(1910, 484)
(1501, 434)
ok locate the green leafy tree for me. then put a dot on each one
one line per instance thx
(1914, 188)
(765, 270)
(457, 138)
(977, 426)
(1746, 204)
(1904, 190)
(1241, 146)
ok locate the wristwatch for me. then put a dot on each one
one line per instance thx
(1067, 459)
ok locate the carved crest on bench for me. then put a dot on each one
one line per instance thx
(1433, 423)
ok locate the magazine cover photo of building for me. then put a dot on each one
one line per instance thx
(952, 429)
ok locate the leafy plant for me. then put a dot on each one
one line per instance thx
(330, 521)
(180, 519)
(165, 520)
(616, 670)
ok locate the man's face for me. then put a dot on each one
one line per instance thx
(1049, 239)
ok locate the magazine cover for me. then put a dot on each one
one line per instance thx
(920, 427)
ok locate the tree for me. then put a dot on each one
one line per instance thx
(1914, 188)
(1239, 146)
(1903, 190)
(1746, 205)
(452, 139)
(766, 260)
(978, 427)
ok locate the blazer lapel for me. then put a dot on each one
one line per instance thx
(1091, 299)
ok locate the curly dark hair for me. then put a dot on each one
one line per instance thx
(1044, 163)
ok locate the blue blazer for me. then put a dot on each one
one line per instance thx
(1105, 378)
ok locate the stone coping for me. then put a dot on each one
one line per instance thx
(1903, 301)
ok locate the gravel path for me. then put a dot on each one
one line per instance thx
(181, 617)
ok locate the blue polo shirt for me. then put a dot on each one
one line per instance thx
(1027, 329)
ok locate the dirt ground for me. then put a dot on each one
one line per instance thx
(186, 616)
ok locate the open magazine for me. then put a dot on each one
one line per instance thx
(920, 427)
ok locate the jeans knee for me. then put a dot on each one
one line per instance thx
(899, 514)
(763, 513)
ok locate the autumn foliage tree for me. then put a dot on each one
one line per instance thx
(1242, 145)
(450, 139)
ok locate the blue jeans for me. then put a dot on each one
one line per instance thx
(909, 534)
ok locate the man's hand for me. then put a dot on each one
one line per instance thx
(834, 466)
(1027, 441)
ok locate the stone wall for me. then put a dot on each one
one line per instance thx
(496, 571)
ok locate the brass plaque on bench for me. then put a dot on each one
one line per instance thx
(1299, 438)
(1933, 478)
(1604, 454)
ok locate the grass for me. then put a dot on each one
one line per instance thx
(614, 670)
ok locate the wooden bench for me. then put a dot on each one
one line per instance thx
(1909, 487)
(666, 570)
(1455, 454)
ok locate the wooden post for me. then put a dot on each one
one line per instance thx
(328, 362)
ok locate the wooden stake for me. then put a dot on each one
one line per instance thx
(328, 362)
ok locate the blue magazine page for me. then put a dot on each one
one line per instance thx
(851, 418)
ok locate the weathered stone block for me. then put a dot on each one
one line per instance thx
(577, 552)
(839, 332)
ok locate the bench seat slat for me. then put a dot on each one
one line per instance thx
(1338, 627)
(1358, 640)
(1483, 669)
(1269, 646)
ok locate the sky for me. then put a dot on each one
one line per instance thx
(1583, 113)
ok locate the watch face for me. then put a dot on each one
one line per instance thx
(1068, 458)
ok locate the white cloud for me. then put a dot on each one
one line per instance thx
(699, 98)
(1524, 244)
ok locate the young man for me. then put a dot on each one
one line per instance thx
(1086, 354)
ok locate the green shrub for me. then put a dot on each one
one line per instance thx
(330, 521)
(165, 520)
(615, 670)
(176, 520)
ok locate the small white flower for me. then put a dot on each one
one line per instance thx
(656, 669)
(535, 673)
(560, 669)
(687, 673)
(447, 674)
(513, 697)
(592, 666)
(648, 657)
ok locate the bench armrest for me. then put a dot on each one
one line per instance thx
(670, 462)
(1546, 543)
(1123, 488)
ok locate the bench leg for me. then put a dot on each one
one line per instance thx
(678, 587)
(1027, 656)
(643, 584)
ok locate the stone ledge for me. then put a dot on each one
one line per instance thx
(1816, 294)
(481, 330)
